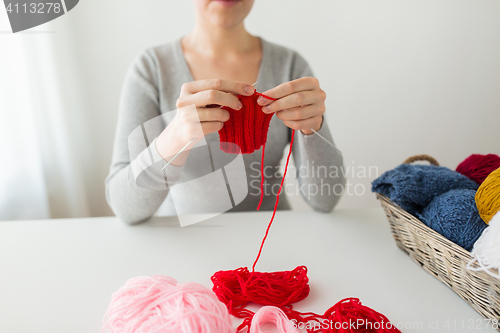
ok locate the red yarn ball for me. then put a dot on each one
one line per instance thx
(350, 316)
(477, 167)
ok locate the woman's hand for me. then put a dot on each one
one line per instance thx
(199, 114)
(300, 104)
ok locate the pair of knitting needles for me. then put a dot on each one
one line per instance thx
(184, 148)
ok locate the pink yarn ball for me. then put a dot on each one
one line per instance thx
(160, 304)
(272, 315)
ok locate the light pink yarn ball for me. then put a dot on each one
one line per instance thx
(160, 304)
(272, 315)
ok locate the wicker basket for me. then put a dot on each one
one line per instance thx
(443, 259)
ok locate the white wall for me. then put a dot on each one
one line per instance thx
(402, 77)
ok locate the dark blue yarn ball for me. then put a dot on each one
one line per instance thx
(455, 216)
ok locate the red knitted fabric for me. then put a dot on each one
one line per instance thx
(246, 127)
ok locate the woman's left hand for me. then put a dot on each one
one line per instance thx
(299, 103)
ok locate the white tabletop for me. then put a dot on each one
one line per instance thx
(58, 275)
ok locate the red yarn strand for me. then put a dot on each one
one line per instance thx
(267, 97)
(277, 201)
(262, 176)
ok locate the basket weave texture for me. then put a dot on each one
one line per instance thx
(443, 259)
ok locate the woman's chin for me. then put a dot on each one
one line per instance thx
(227, 14)
(227, 3)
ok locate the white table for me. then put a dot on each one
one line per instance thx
(58, 275)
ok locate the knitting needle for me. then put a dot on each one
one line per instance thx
(324, 139)
(180, 151)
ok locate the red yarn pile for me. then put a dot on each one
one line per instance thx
(477, 167)
(246, 127)
(349, 315)
(237, 288)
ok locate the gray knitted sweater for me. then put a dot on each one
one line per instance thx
(137, 188)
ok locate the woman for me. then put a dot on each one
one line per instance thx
(216, 62)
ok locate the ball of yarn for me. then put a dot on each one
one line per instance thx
(160, 304)
(350, 316)
(486, 251)
(488, 196)
(272, 315)
(477, 167)
(455, 216)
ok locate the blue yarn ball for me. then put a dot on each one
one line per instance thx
(455, 216)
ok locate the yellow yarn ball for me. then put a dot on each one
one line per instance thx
(488, 196)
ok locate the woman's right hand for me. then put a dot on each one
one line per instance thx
(199, 113)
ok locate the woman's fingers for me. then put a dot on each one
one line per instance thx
(213, 114)
(211, 126)
(289, 88)
(306, 124)
(238, 88)
(301, 113)
(203, 121)
(298, 99)
(208, 97)
(299, 103)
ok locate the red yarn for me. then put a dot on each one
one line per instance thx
(477, 167)
(277, 201)
(262, 176)
(350, 316)
(237, 288)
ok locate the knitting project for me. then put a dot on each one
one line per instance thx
(247, 127)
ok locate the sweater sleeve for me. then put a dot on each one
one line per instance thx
(136, 184)
(319, 164)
